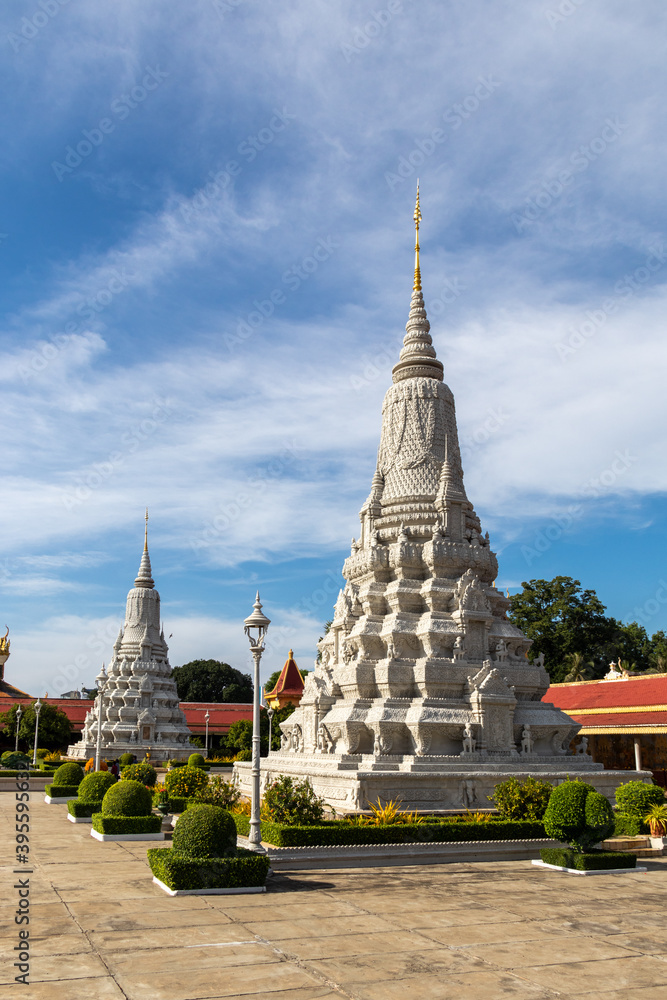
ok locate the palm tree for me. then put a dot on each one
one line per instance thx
(579, 670)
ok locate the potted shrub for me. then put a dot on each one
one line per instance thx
(127, 814)
(204, 858)
(91, 793)
(65, 785)
(581, 817)
(656, 818)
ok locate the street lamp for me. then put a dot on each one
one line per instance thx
(207, 717)
(19, 713)
(255, 627)
(101, 681)
(38, 708)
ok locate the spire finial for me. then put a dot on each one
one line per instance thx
(417, 287)
(144, 577)
(146, 533)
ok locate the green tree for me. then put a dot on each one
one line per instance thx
(562, 619)
(55, 729)
(578, 669)
(212, 680)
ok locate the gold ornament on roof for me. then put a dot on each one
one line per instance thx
(4, 641)
(417, 287)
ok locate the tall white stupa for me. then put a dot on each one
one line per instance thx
(140, 709)
(423, 690)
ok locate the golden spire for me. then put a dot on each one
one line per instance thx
(146, 533)
(417, 287)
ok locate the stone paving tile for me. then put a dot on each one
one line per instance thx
(276, 913)
(490, 932)
(51, 968)
(648, 993)
(186, 937)
(171, 960)
(279, 980)
(370, 968)
(581, 978)
(71, 943)
(309, 949)
(550, 950)
(134, 915)
(73, 989)
(475, 986)
(319, 926)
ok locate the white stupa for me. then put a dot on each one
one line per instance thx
(423, 691)
(140, 709)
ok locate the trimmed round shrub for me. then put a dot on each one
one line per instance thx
(41, 754)
(293, 802)
(127, 798)
(205, 832)
(126, 759)
(578, 815)
(196, 760)
(145, 773)
(634, 798)
(17, 761)
(68, 774)
(94, 786)
(245, 754)
(185, 781)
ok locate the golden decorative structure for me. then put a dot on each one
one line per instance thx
(4, 642)
(417, 287)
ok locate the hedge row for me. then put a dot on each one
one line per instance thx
(593, 861)
(82, 810)
(180, 871)
(8, 772)
(61, 791)
(334, 833)
(117, 825)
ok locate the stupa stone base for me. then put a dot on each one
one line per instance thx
(350, 783)
(160, 753)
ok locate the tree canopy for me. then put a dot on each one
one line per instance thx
(239, 736)
(212, 680)
(55, 729)
(570, 627)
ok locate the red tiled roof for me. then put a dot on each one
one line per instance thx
(621, 705)
(221, 715)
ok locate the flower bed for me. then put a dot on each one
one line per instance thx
(338, 832)
(180, 871)
(588, 861)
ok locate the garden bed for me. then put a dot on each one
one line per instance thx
(335, 833)
(126, 827)
(181, 874)
(589, 862)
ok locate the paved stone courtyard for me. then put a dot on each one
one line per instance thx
(100, 929)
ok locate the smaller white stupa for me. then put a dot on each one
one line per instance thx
(140, 709)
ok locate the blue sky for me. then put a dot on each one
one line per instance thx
(205, 262)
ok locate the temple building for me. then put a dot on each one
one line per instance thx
(423, 690)
(288, 688)
(140, 709)
(8, 693)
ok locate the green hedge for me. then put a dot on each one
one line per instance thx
(126, 824)
(592, 861)
(178, 805)
(11, 773)
(629, 826)
(61, 791)
(334, 833)
(180, 871)
(82, 810)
